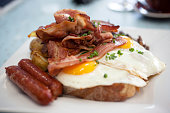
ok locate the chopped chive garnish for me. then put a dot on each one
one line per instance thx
(119, 52)
(105, 75)
(71, 19)
(110, 56)
(83, 52)
(85, 34)
(97, 61)
(94, 23)
(131, 49)
(104, 43)
(117, 35)
(140, 52)
(95, 53)
(98, 23)
(89, 32)
(113, 40)
(80, 59)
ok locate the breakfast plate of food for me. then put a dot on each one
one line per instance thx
(80, 65)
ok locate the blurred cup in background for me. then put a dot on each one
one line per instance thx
(162, 6)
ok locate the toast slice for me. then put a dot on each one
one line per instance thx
(114, 92)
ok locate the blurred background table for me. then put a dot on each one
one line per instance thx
(28, 15)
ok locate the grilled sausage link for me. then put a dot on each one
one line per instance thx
(53, 84)
(32, 87)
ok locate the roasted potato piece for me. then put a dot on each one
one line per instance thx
(36, 45)
(39, 60)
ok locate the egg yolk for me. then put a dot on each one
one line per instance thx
(128, 44)
(80, 69)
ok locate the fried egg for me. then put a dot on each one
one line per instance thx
(101, 75)
(135, 59)
(129, 64)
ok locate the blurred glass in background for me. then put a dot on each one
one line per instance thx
(122, 5)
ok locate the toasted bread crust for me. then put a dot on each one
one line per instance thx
(115, 92)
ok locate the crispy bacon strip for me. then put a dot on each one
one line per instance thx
(109, 28)
(56, 51)
(76, 41)
(76, 38)
(56, 30)
(72, 60)
(85, 41)
(64, 26)
(83, 21)
(63, 15)
(106, 26)
(102, 37)
(105, 36)
(85, 48)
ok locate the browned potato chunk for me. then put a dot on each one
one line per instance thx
(36, 45)
(39, 60)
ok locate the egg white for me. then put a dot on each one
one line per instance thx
(143, 65)
(96, 78)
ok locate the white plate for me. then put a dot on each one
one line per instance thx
(154, 98)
